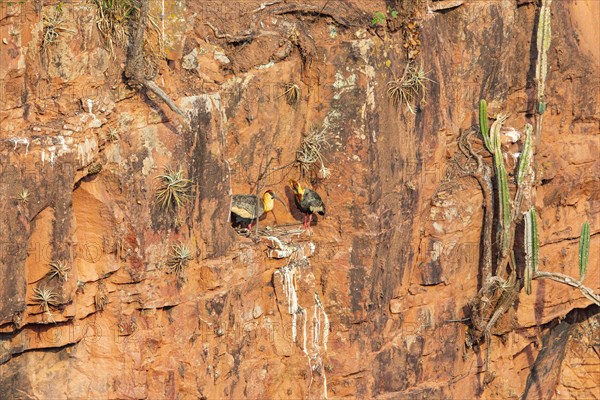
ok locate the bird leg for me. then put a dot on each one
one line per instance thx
(309, 222)
(275, 217)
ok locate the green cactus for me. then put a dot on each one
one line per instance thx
(501, 176)
(504, 196)
(544, 34)
(525, 155)
(584, 249)
(531, 248)
(495, 133)
(483, 124)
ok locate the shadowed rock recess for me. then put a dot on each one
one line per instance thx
(108, 293)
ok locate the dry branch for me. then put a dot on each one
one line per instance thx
(261, 7)
(567, 280)
(136, 68)
(310, 9)
(153, 87)
(482, 174)
(244, 37)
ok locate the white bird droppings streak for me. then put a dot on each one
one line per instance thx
(304, 316)
(287, 274)
(325, 329)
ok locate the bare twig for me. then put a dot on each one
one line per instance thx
(261, 7)
(261, 176)
(508, 297)
(482, 174)
(459, 320)
(310, 9)
(153, 87)
(136, 65)
(244, 37)
(567, 280)
(27, 394)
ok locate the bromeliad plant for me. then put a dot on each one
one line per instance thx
(113, 17)
(291, 93)
(23, 196)
(309, 156)
(58, 269)
(178, 261)
(174, 190)
(406, 89)
(46, 298)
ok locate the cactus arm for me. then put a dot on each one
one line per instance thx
(544, 34)
(501, 176)
(584, 249)
(525, 155)
(531, 248)
(483, 125)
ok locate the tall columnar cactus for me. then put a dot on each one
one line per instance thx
(584, 249)
(543, 44)
(483, 124)
(487, 307)
(525, 155)
(501, 176)
(531, 248)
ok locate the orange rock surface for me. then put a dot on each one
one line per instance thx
(373, 304)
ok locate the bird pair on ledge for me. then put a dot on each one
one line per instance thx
(246, 208)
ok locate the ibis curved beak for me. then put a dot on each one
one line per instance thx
(281, 201)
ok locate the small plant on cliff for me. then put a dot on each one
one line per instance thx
(45, 298)
(178, 261)
(174, 190)
(378, 18)
(101, 297)
(58, 269)
(23, 196)
(310, 153)
(112, 135)
(80, 286)
(291, 93)
(112, 21)
(52, 22)
(406, 89)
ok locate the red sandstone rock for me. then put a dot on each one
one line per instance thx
(375, 310)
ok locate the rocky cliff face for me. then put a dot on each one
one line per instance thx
(373, 304)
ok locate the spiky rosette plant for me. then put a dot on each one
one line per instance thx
(178, 261)
(174, 190)
(58, 269)
(45, 298)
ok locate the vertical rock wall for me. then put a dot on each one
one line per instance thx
(369, 307)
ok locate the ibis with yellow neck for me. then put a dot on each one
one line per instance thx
(246, 208)
(308, 202)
